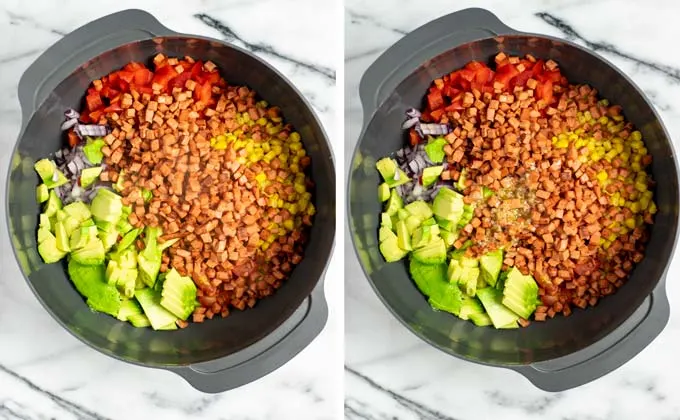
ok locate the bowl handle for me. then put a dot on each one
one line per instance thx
(80, 46)
(609, 353)
(265, 356)
(421, 45)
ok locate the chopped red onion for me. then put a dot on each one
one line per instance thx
(410, 123)
(413, 113)
(91, 130)
(435, 129)
(71, 113)
(68, 124)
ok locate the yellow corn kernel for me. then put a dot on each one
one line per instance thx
(635, 207)
(295, 146)
(562, 143)
(617, 118)
(294, 137)
(311, 210)
(612, 237)
(265, 246)
(260, 178)
(610, 155)
(630, 223)
(624, 156)
(289, 224)
(603, 120)
(301, 153)
(652, 208)
(636, 136)
(602, 176)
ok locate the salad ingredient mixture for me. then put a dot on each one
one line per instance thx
(178, 197)
(531, 194)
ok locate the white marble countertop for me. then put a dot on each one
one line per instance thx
(45, 373)
(391, 374)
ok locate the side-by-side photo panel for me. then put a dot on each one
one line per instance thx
(171, 211)
(512, 199)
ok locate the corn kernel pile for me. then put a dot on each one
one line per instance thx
(289, 151)
(624, 153)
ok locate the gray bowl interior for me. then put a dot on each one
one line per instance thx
(541, 341)
(200, 342)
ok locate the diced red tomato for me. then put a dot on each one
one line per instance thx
(484, 75)
(435, 99)
(456, 105)
(197, 71)
(521, 79)
(94, 101)
(545, 91)
(450, 91)
(475, 65)
(127, 76)
(505, 73)
(143, 77)
(141, 89)
(113, 108)
(134, 66)
(203, 93)
(413, 138)
(180, 80)
(211, 78)
(438, 113)
(164, 75)
(72, 138)
(468, 74)
(554, 76)
(94, 116)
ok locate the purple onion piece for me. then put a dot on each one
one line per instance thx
(435, 129)
(413, 113)
(71, 114)
(410, 123)
(419, 130)
(55, 176)
(91, 130)
(68, 124)
(396, 175)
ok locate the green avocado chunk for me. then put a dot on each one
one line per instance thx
(90, 281)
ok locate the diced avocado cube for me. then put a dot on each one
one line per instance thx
(93, 150)
(446, 225)
(91, 254)
(89, 176)
(53, 204)
(431, 175)
(421, 236)
(520, 293)
(470, 306)
(43, 233)
(481, 320)
(139, 321)
(79, 238)
(429, 222)
(45, 169)
(510, 326)
(50, 175)
(386, 220)
(108, 234)
(179, 294)
(492, 301)
(42, 193)
(71, 225)
(468, 214)
(128, 239)
(383, 192)
(126, 258)
(435, 149)
(449, 237)
(107, 206)
(113, 272)
(394, 203)
(419, 209)
(391, 173)
(468, 262)
(78, 210)
(61, 215)
(403, 236)
(412, 223)
(150, 300)
(45, 222)
(432, 253)
(128, 308)
(487, 192)
(402, 214)
(118, 186)
(48, 249)
(469, 276)
(431, 281)
(491, 264)
(62, 237)
(387, 167)
(448, 205)
(390, 250)
(384, 233)
(454, 271)
(147, 195)
(460, 184)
